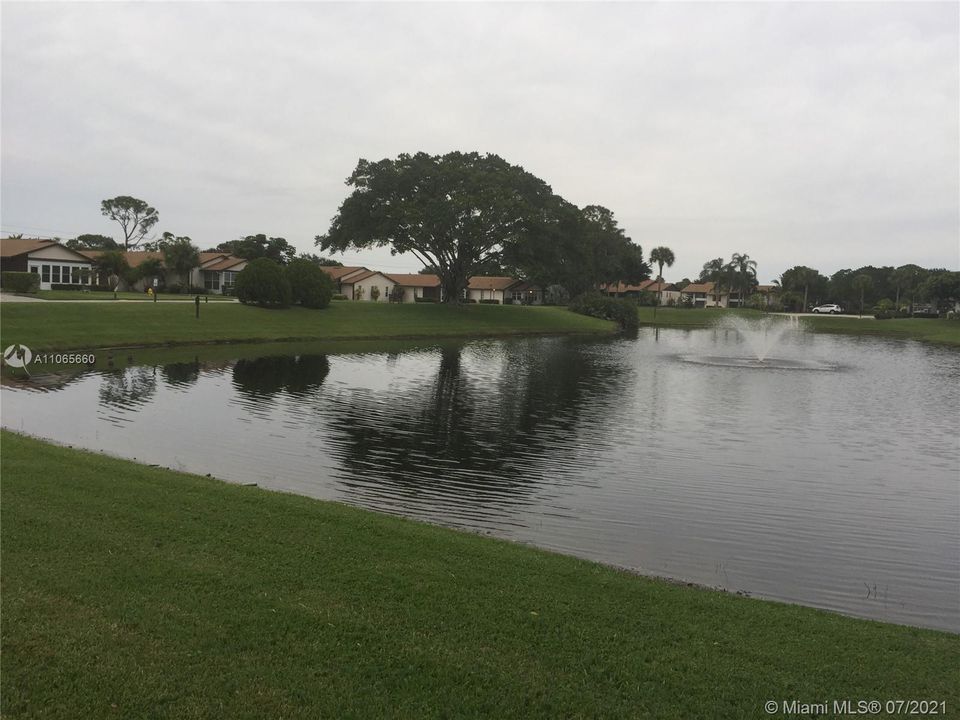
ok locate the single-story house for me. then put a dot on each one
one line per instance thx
(426, 287)
(704, 295)
(524, 293)
(360, 283)
(624, 290)
(488, 287)
(217, 272)
(56, 264)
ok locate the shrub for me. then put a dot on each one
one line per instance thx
(396, 294)
(309, 285)
(374, 293)
(490, 301)
(263, 282)
(339, 296)
(623, 312)
(884, 309)
(424, 299)
(21, 282)
(174, 288)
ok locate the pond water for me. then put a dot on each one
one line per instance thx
(827, 477)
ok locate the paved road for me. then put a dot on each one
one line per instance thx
(8, 297)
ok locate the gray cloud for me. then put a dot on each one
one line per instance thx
(823, 134)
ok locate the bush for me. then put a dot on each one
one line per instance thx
(174, 288)
(22, 282)
(489, 301)
(338, 296)
(622, 312)
(884, 309)
(263, 282)
(424, 299)
(310, 286)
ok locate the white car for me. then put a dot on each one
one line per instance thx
(831, 309)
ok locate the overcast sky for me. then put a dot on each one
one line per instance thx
(819, 134)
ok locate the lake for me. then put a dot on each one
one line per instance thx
(829, 479)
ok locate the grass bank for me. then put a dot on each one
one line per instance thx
(942, 331)
(64, 326)
(929, 330)
(133, 591)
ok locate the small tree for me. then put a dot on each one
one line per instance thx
(309, 285)
(262, 282)
(134, 215)
(181, 256)
(149, 269)
(661, 256)
(374, 293)
(113, 264)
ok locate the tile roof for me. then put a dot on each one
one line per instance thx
(338, 272)
(11, 247)
(706, 287)
(225, 263)
(415, 280)
(485, 282)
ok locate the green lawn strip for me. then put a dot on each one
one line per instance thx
(928, 329)
(63, 326)
(80, 295)
(133, 591)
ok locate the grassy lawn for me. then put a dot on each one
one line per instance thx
(63, 326)
(79, 295)
(133, 591)
(940, 331)
(929, 329)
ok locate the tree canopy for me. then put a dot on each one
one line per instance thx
(453, 212)
(92, 242)
(135, 216)
(180, 255)
(252, 247)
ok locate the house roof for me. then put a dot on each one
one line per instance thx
(768, 288)
(524, 286)
(12, 247)
(224, 263)
(654, 286)
(339, 272)
(415, 280)
(490, 282)
(706, 287)
(364, 273)
(135, 258)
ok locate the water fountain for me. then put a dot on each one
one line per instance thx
(761, 336)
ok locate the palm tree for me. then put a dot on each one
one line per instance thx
(745, 272)
(661, 256)
(862, 282)
(715, 271)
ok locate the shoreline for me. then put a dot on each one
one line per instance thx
(148, 588)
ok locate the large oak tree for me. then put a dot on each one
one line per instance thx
(454, 212)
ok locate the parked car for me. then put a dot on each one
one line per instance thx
(831, 309)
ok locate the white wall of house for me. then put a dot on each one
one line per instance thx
(56, 270)
(383, 284)
(479, 295)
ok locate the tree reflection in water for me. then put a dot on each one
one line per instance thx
(263, 377)
(479, 437)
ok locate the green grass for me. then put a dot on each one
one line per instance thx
(132, 591)
(63, 326)
(929, 330)
(80, 295)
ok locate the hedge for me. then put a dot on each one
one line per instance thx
(22, 282)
